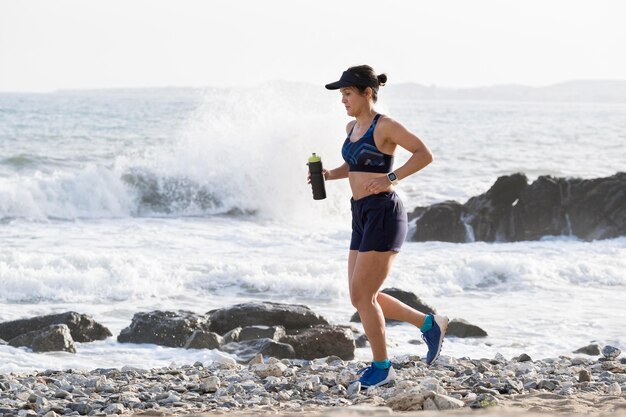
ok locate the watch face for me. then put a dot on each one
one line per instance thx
(392, 176)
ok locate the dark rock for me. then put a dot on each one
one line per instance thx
(322, 341)
(489, 213)
(407, 298)
(524, 358)
(165, 328)
(610, 352)
(262, 332)
(584, 376)
(591, 350)
(441, 222)
(82, 327)
(290, 316)
(361, 341)
(248, 349)
(54, 338)
(512, 210)
(539, 211)
(461, 328)
(596, 208)
(81, 408)
(203, 340)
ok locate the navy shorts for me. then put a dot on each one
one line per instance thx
(379, 223)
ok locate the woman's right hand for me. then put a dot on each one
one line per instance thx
(325, 173)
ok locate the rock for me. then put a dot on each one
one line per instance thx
(201, 339)
(261, 332)
(441, 222)
(489, 213)
(291, 316)
(614, 389)
(115, 408)
(610, 352)
(511, 210)
(210, 384)
(407, 298)
(484, 401)
(461, 328)
(584, 376)
(361, 341)
(165, 328)
(82, 327)
(591, 350)
(54, 338)
(410, 400)
(3, 342)
(264, 370)
(354, 388)
(322, 341)
(524, 358)
(248, 349)
(81, 408)
(444, 402)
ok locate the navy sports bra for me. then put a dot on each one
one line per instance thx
(363, 155)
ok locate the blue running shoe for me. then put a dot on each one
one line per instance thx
(375, 377)
(434, 337)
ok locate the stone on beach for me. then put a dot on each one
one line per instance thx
(591, 350)
(83, 328)
(56, 337)
(166, 328)
(461, 328)
(200, 339)
(322, 341)
(291, 316)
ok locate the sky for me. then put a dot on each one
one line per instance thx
(47, 45)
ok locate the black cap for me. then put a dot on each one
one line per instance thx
(349, 79)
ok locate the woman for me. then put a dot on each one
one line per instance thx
(379, 221)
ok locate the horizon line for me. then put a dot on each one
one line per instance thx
(198, 87)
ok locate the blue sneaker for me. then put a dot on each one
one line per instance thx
(434, 337)
(375, 377)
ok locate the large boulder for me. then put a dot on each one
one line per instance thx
(488, 214)
(203, 340)
(511, 210)
(539, 211)
(290, 316)
(54, 338)
(165, 328)
(83, 328)
(407, 298)
(322, 341)
(442, 222)
(461, 328)
(248, 349)
(596, 208)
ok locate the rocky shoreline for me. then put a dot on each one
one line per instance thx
(270, 385)
(513, 210)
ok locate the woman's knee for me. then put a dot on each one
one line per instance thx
(361, 299)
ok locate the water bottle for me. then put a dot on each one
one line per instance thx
(317, 178)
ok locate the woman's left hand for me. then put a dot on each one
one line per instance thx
(378, 185)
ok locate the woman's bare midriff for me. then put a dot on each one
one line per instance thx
(358, 181)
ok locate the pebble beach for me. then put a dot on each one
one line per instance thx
(573, 385)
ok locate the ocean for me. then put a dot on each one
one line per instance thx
(114, 202)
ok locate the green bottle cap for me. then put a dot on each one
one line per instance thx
(314, 158)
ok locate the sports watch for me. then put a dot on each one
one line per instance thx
(393, 178)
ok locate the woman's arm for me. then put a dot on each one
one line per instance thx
(337, 173)
(421, 155)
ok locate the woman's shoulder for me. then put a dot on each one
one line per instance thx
(388, 123)
(350, 125)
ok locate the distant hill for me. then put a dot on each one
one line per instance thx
(612, 91)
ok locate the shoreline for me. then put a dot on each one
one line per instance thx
(573, 385)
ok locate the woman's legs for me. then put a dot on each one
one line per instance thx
(391, 307)
(366, 273)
